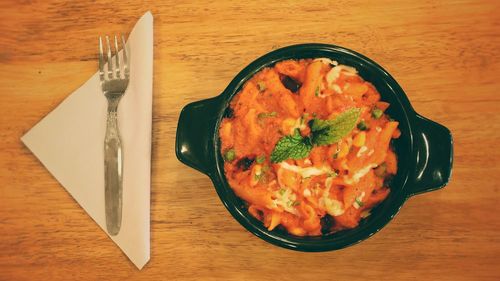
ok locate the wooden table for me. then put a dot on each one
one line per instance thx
(445, 55)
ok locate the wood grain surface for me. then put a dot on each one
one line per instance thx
(445, 54)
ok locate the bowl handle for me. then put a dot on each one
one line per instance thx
(194, 143)
(434, 151)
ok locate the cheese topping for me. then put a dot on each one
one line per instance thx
(334, 73)
(358, 199)
(362, 150)
(333, 207)
(336, 88)
(327, 61)
(306, 172)
(359, 174)
(307, 192)
(285, 198)
(328, 182)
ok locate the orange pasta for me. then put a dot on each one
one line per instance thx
(308, 146)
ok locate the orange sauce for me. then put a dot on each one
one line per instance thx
(335, 185)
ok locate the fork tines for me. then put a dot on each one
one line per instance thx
(113, 69)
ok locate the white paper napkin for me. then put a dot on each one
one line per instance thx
(69, 142)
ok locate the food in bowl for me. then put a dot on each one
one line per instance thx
(307, 146)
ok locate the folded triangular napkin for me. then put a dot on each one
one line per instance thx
(69, 142)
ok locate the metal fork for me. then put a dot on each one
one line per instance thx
(114, 82)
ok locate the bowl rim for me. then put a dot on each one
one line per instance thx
(319, 243)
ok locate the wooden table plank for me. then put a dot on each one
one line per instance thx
(443, 53)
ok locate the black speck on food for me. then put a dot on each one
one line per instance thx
(388, 180)
(310, 123)
(245, 163)
(326, 224)
(281, 228)
(229, 112)
(290, 83)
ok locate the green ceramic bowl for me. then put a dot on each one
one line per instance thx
(425, 148)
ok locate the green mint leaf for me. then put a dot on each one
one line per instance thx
(325, 132)
(291, 147)
(296, 134)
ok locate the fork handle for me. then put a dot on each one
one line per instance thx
(113, 167)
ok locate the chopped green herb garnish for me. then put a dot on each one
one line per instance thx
(260, 159)
(332, 174)
(265, 168)
(296, 203)
(316, 93)
(257, 177)
(377, 113)
(229, 155)
(267, 114)
(335, 155)
(261, 86)
(282, 191)
(362, 126)
(359, 202)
